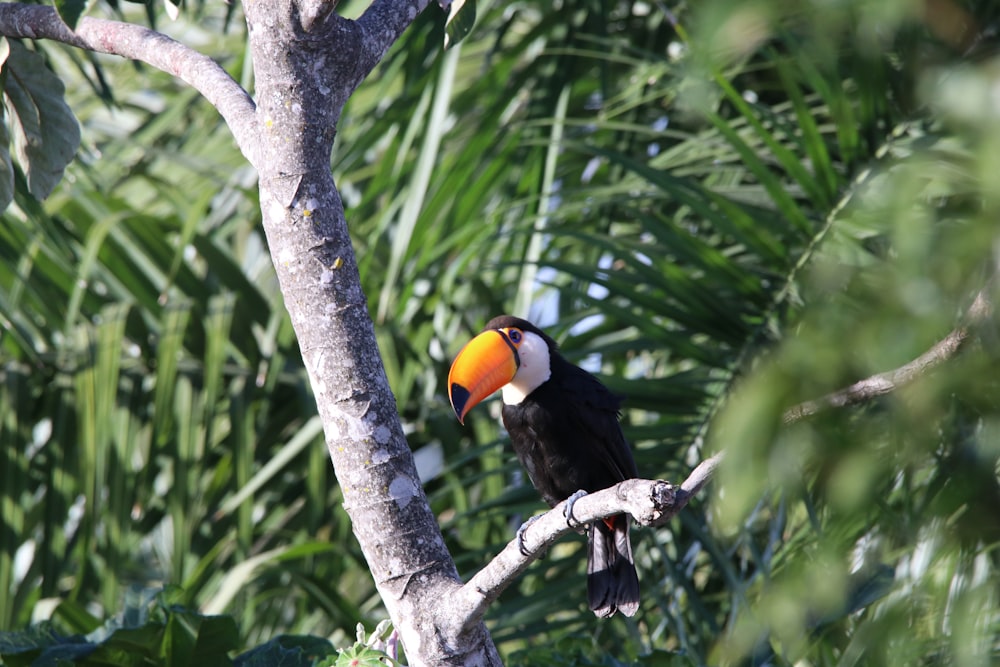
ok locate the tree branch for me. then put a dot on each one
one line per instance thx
(381, 25)
(650, 502)
(151, 47)
(885, 383)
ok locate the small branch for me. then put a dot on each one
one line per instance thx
(314, 12)
(698, 478)
(151, 47)
(381, 25)
(885, 383)
(650, 502)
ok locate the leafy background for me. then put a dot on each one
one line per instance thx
(722, 209)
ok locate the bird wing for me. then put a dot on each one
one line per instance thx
(596, 409)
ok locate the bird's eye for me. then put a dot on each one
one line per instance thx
(514, 335)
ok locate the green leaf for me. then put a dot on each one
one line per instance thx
(360, 656)
(70, 11)
(6, 166)
(76, 617)
(46, 134)
(136, 643)
(192, 637)
(461, 19)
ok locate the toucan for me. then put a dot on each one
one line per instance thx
(563, 425)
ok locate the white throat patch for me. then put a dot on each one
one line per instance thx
(533, 371)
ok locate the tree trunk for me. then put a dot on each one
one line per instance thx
(303, 79)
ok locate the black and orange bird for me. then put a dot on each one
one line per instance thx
(563, 425)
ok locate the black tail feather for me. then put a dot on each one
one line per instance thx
(612, 583)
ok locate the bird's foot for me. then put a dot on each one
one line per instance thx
(568, 511)
(520, 535)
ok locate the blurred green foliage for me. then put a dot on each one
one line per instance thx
(724, 209)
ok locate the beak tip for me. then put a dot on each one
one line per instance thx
(459, 396)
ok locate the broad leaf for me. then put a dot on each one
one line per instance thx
(46, 134)
(6, 166)
(461, 18)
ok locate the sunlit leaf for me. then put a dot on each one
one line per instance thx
(461, 19)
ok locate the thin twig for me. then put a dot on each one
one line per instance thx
(889, 381)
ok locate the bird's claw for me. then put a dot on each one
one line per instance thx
(520, 535)
(568, 510)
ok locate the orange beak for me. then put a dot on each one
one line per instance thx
(486, 363)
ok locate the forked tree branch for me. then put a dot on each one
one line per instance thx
(135, 42)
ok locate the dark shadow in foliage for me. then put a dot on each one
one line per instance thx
(43, 645)
(167, 634)
(286, 651)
